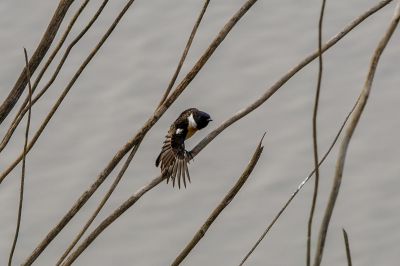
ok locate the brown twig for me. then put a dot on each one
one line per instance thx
(23, 109)
(347, 245)
(67, 88)
(185, 52)
(101, 205)
(36, 58)
(314, 134)
(299, 187)
(221, 206)
(348, 135)
(142, 132)
(21, 192)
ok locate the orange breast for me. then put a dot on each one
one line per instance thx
(191, 131)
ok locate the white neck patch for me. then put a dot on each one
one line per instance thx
(191, 121)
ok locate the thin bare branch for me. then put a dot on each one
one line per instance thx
(23, 109)
(67, 88)
(21, 192)
(315, 137)
(348, 135)
(221, 206)
(142, 132)
(185, 52)
(347, 245)
(36, 58)
(299, 187)
(101, 205)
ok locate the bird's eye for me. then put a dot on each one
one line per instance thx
(179, 131)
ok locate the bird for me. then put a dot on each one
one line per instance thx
(174, 158)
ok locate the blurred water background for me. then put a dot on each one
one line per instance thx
(119, 90)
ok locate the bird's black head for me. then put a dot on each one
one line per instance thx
(201, 118)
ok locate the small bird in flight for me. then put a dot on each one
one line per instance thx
(173, 157)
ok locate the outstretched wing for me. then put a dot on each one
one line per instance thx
(173, 158)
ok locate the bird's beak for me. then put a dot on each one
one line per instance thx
(209, 120)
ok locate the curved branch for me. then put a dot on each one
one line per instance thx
(21, 192)
(348, 135)
(314, 134)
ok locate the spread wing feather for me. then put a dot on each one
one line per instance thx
(174, 159)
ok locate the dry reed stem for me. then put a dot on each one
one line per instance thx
(23, 109)
(348, 135)
(347, 245)
(314, 134)
(21, 191)
(221, 206)
(67, 88)
(185, 52)
(141, 133)
(36, 58)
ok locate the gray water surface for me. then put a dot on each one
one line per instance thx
(119, 90)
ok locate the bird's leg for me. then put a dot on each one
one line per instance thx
(189, 155)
